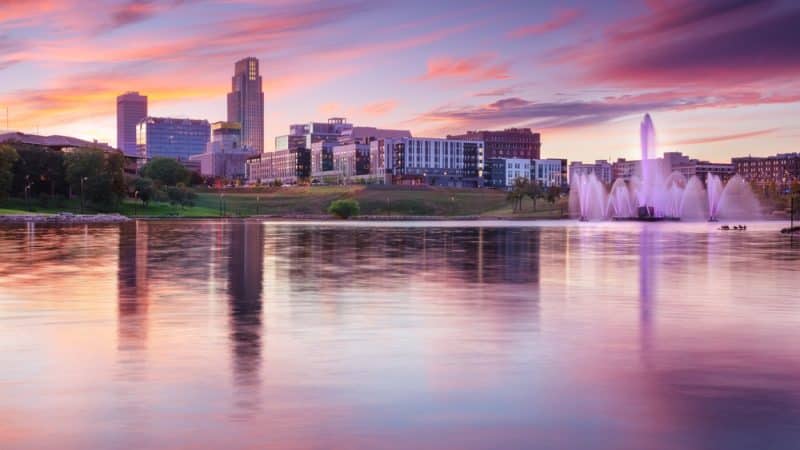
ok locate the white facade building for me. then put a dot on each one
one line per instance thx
(602, 169)
(548, 172)
(517, 168)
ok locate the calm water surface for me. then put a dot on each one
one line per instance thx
(209, 335)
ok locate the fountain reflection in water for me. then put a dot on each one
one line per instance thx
(659, 194)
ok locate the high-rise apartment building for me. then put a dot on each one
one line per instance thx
(246, 103)
(131, 109)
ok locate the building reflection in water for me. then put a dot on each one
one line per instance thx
(367, 255)
(132, 286)
(245, 277)
(493, 271)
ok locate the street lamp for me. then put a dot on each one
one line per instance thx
(27, 191)
(135, 203)
(83, 180)
(258, 204)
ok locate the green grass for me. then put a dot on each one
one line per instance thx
(308, 200)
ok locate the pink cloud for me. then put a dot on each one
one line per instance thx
(380, 108)
(722, 138)
(475, 68)
(561, 19)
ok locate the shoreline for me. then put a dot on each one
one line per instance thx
(115, 218)
(64, 219)
(81, 219)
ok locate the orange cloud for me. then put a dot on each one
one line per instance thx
(380, 108)
(330, 108)
(475, 68)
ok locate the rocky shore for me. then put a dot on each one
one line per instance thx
(63, 218)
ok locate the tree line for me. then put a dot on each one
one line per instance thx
(523, 187)
(52, 176)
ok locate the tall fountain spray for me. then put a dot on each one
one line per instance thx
(647, 134)
(656, 194)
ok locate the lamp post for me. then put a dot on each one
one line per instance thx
(258, 204)
(220, 202)
(27, 192)
(83, 180)
(136, 203)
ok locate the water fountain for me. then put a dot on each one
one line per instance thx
(655, 194)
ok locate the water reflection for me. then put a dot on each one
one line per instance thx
(232, 334)
(132, 286)
(245, 277)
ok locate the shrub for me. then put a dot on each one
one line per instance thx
(345, 208)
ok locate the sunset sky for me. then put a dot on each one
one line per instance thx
(721, 78)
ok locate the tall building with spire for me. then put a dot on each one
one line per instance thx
(131, 109)
(246, 103)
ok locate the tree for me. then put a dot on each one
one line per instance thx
(195, 178)
(344, 208)
(115, 170)
(8, 156)
(518, 191)
(534, 191)
(166, 172)
(553, 192)
(181, 195)
(103, 178)
(40, 167)
(144, 187)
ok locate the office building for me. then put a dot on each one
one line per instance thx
(131, 109)
(602, 169)
(225, 156)
(673, 162)
(781, 170)
(508, 143)
(246, 103)
(502, 172)
(351, 160)
(172, 138)
(549, 172)
(432, 161)
(290, 166)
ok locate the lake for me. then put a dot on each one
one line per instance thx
(247, 334)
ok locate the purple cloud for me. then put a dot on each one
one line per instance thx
(515, 111)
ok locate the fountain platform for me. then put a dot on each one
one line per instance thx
(646, 219)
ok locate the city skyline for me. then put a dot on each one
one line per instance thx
(581, 74)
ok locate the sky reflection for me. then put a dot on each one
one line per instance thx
(246, 334)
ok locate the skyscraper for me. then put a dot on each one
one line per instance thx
(131, 109)
(246, 103)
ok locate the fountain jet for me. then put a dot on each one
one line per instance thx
(657, 194)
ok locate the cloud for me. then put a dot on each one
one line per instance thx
(515, 111)
(499, 92)
(710, 44)
(380, 108)
(132, 11)
(329, 108)
(561, 19)
(676, 17)
(5, 64)
(474, 68)
(722, 138)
